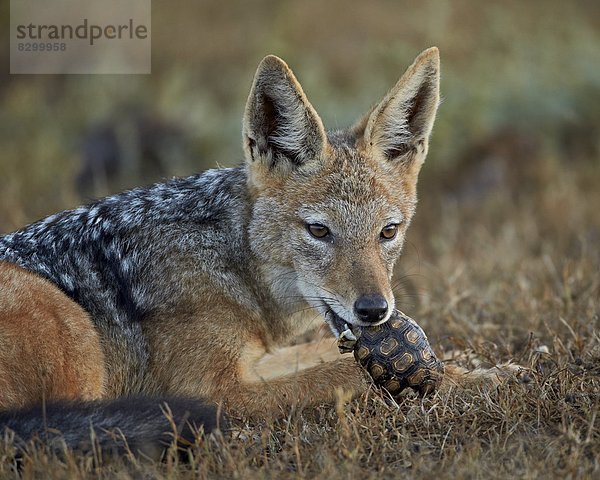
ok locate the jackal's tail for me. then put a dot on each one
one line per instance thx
(137, 425)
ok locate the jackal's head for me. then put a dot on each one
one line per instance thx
(331, 209)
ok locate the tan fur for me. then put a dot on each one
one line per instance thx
(239, 364)
(48, 346)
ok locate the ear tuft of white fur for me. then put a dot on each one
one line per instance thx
(403, 120)
(280, 124)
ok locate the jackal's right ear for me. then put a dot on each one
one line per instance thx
(398, 128)
(281, 128)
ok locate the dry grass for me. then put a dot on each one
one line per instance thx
(496, 269)
(514, 278)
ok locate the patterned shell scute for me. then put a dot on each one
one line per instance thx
(397, 355)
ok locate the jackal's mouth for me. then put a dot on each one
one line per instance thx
(339, 325)
(335, 322)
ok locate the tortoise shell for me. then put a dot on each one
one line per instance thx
(397, 355)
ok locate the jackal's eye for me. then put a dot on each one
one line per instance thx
(389, 232)
(317, 230)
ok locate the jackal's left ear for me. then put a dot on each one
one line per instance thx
(400, 125)
(281, 128)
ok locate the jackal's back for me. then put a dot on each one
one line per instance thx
(132, 255)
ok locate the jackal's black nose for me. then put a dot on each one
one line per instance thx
(371, 308)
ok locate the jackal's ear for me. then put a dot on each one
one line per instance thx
(281, 128)
(400, 125)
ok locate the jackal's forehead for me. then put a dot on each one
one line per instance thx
(352, 176)
(355, 189)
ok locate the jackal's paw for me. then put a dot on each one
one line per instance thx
(503, 374)
(346, 341)
(513, 373)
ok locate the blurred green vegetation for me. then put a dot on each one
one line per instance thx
(522, 77)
